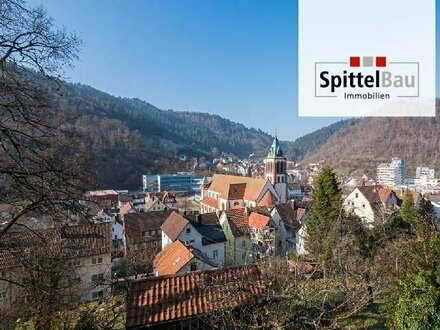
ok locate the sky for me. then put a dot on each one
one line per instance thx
(234, 58)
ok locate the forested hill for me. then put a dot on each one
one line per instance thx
(129, 137)
(368, 142)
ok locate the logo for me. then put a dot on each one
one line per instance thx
(367, 78)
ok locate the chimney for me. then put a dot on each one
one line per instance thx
(246, 210)
(198, 219)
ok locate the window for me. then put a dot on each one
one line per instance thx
(193, 266)
(97, 294)
(215, 254)
(243, 256)
(243, 244)
(74, 263)
(3, 294)
(96, 260)
(188, 231)
(363, 205)
(192, 241)
(116, 237)
(279, 243)
(97, 278)
(236, 204)
(159, 231)
(76, 280)
(155, 244)
(356, 195)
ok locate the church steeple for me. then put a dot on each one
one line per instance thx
(275, 150)
(275, 169)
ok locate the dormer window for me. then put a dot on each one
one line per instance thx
(188, 231)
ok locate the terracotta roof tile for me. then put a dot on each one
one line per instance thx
(175, 256)
(169, 298)
(174, 225)
(238, 221)
(221, 184)
(72, 241)
(267, 199)
(136, 224)
(210, 201)
(371, 193)
(258, 220)
(171, 259)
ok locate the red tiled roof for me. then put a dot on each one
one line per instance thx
(171, 259)
(136, 224)
(415, 195)
(267, 199)
(175, 256)
(221, 184)
(210, 201)
(258, 220)
(371, 193)
(124, 209)
(169, 298)
(174, 225)
(238, 221)
(236, 190)
(71, 242)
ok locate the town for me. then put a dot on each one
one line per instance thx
(162, 167)
(180, 227)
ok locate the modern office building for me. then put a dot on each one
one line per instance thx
(391, 174)
(180, 181)
(427, 172)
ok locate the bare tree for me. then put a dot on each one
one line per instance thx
(40, 166)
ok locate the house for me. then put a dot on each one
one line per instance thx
(154, 204)
(371, 203)
(417, 197)
(166, 197)
(294, 218)
(179, 258)
(86, 249)
(435, 201)
(181, 301)
(105, 198)
(254, 233)
(295, 191)
(142, 231)
(238, 249)
(201, 231)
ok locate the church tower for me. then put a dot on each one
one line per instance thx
(275, 169)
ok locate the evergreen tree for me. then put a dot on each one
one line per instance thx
(408, 211)
(324, 213)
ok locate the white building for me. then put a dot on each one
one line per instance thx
(391, 174)
(371, 203)
(201, 231)
(429, 173)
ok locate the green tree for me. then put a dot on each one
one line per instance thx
(408, 210)
(415, 303)
(324, 213)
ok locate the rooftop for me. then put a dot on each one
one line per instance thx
(163, 299)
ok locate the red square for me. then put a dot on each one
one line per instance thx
(381, 61)
(355, 61)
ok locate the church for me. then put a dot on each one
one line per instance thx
(225, 192)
